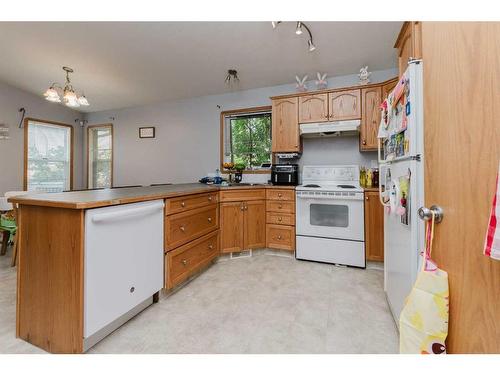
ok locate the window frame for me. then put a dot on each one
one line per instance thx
(108, 125)
(241, 111)
(26, 143)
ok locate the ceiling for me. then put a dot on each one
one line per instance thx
(124, 64)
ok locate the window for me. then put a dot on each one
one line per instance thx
(100, 156)
(246, 138)
(48, 156)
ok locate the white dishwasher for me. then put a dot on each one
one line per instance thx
(123, 264)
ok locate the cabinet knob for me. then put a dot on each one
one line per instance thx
(183, 204)
(209, 219)
(182, 228)
(184, 261)
(132, 290)
(280, 219)
(366, 198)
(364, 141)
(280, 195)
(210, 246)
(242, 207)
(210, 198)
(280, 206)
(279, 237)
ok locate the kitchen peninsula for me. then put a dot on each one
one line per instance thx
(68, 242)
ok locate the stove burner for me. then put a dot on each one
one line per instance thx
(312, 186)
(346, 186)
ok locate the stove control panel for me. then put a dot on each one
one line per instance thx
(330, 173)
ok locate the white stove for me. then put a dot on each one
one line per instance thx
(330, 215)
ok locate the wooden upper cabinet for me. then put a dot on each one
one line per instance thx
(370, 119)
(409, 44)
(344, 105)
(374, 227)
(313, 108)
(388, 87)
(285, 127)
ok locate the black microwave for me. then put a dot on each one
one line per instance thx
(285, 174)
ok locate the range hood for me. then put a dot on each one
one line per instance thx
(330, 129)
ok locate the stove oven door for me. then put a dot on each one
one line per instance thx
(337, 215)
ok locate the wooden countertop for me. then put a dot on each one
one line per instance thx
(110, 197)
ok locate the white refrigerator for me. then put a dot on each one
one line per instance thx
(401, 159)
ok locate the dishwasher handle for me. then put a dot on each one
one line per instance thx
(124, 214)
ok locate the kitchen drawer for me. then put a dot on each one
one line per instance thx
(189, 202)
(280, 206)
(280, 237)
(280, 195)
(238, 195)
(186, 226)
(280, 218)
(190, 258)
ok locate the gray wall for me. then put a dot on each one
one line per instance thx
(186, 146)
(12, 150)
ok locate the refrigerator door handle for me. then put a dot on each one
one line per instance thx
(380, 192)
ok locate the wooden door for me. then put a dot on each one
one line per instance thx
(370, 119)
(255, 225)
(374, 227)
(388, 87)
(313, 108)
(344, 105)
(285, 125)
(462, 152)
(231, 226)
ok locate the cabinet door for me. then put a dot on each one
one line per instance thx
(374, 227)
(388, 87)
(313, 108)
(409, 44)
(344, 105)
(255, 224)
(232, 226)
(370, 119)
(285, 126)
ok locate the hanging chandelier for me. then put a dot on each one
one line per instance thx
(68, 94)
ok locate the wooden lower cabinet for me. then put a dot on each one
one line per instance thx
(190, 258)
(280, 237)
(242, 225)
(374, 227)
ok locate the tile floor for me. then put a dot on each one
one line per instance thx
(262, 304)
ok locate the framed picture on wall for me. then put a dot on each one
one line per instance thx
(147, 132)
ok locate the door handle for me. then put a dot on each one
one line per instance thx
(426, 213)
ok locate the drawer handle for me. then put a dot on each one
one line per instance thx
(280, 219)
(183, 204)
(184, 262)
(182, 228)
(210, 198)
(210, 246)
(209, 219)
(279, 237)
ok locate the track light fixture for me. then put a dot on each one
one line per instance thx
(299, 31)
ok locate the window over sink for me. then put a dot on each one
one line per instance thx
(246, 139)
